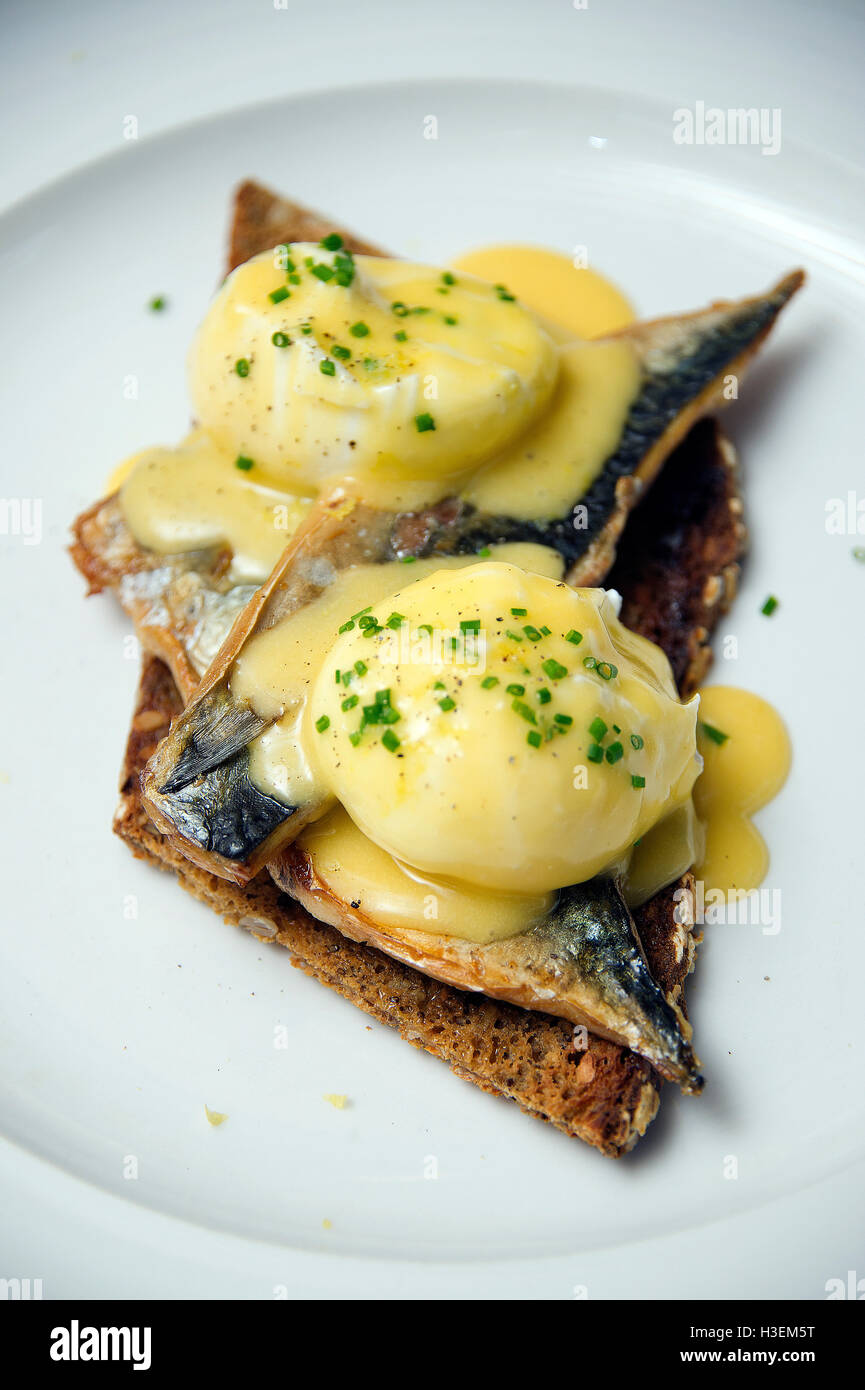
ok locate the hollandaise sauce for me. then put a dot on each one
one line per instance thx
(403, 383)
(575, 302)
(746, 760)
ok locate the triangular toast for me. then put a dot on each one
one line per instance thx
(677, 570)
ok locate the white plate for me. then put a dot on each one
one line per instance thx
(127, 1005)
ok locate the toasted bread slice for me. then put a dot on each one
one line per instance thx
(677, 575)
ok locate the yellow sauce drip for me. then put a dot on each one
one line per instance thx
(578, 302)
(194, 497)
(557, 459)
(401, 900)
(739, 776)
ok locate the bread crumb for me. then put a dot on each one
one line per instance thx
(338, 1102)
(214, 1117)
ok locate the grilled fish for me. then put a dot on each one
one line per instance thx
(583, 962)
(198, 787)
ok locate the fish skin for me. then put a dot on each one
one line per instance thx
(685, 360)
(583, 962)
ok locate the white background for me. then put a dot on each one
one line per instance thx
(71, 74)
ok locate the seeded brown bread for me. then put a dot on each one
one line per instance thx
(603, 1094)
(678, 568)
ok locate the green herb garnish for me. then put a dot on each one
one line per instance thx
(716, 735)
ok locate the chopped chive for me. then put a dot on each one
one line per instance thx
(519, 612)
(243, 463)
(342, 353)
(564, 719)
(484, 552)
(419, 309)
(361, 668)
(401, 336)
(390, 740)
(346, 677)
(589, 662)
(616, 729)
(439, 685)
(277, 296)
(395, 621)
(534, 738)
(532, 633)
(306, 328)
(450, 320)
(426, 627)
(322, 723)
(614, 752)
(637, 781)
(331, 242)
(359, 329)
(424, 422)
(407, 559)
(354, 740)
(524, 711)
(595, 753)
(399, 308)
(323, 272)
(554, 669)
(294, 279)
(515, 689)
(574, 637)
(597, 729)
(362, 611)
(448, 279)
(545, 632)
(280, 340)
(636, 741)
(488, 682)
(241, 366)
(157, 304)
(544, 696)
(326, 367)
(349, 702)
(716, 735)
(346, 627)
(446, 704)
(337, 677)
(769, 606)
(470, 625)
(514, 636)
(606, 670)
